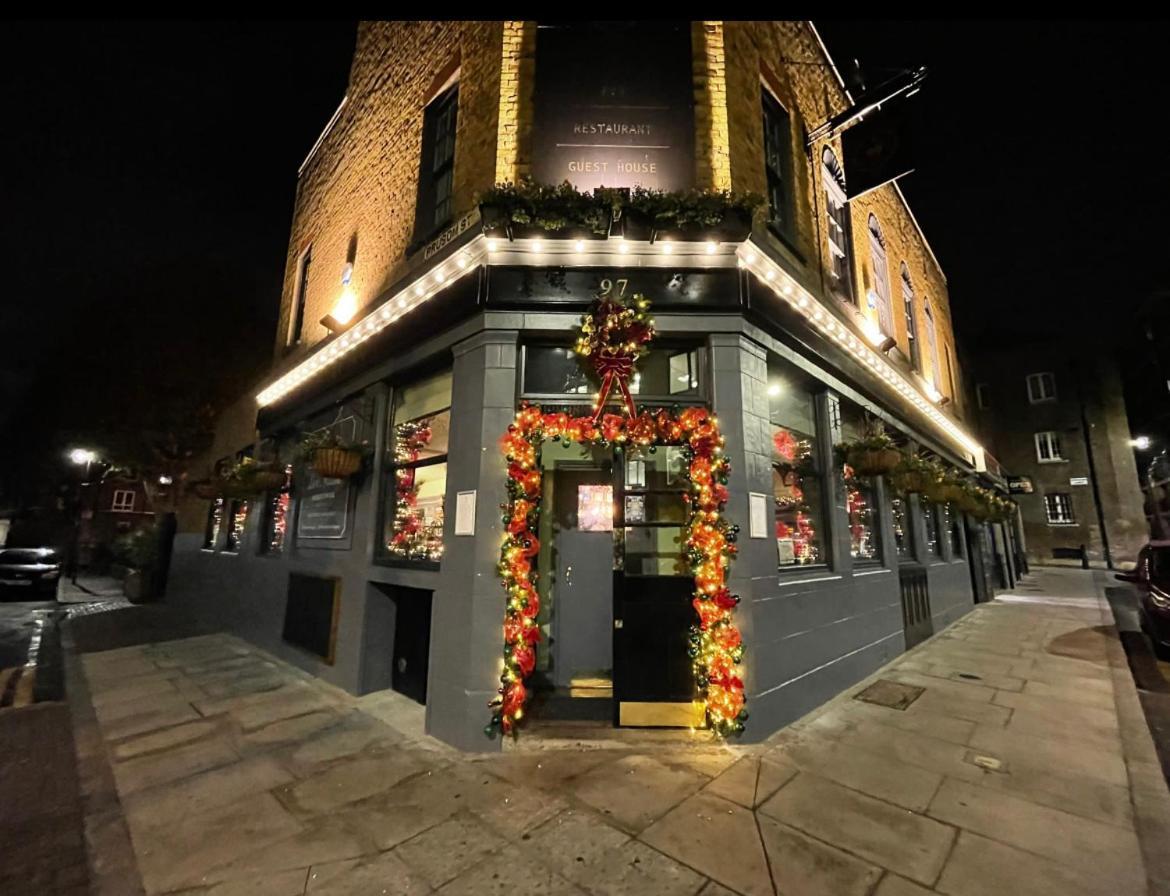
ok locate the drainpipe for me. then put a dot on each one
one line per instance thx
(1092, 469)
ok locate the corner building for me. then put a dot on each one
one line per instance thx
(405, 326)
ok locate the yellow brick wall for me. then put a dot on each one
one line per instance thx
(788, 56)
(363, 177)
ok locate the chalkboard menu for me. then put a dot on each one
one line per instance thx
(310, 615)
(323, 508)
(614, 105)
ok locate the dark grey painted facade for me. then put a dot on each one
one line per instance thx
(809, 632)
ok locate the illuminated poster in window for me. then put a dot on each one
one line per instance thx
(614, 105)
(595, 508)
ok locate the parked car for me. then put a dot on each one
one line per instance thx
(29, 573)
(1151, 575)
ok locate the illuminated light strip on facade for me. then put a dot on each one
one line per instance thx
(402, 303)
(619, 253)
(801, 301)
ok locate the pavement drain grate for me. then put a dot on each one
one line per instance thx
(891, 694)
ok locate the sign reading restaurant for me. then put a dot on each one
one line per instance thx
(614, 105)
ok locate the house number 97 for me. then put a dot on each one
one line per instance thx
(608, 285)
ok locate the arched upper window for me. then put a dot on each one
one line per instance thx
(911, 319)
(837, 227)
(881, 276)
(932, 345)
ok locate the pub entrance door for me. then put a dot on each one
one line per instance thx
(615, 588)
(654, 682)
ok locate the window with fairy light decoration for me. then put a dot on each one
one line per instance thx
(798, 491)
(861, 505)
(276, 517)
(953, 524)
(931, 527)
(416, 478)
(236, 519)
(215, 512)
(901, 515)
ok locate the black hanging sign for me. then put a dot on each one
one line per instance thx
(878, 149)
(614, 105)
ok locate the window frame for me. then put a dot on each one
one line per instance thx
(114, 502)
(780, 221)
(879, 264)
(841, 284)
(296, 330)
(271, 499)
(573, 399)
(427, 221)
(1059, 501)
(1038, 396)
(1049, 441)
(388, 487)
(932, 345)
(910, 314)
(982, 399)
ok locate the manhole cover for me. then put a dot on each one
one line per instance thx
(892, 694)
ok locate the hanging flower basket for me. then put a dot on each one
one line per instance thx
(916, 474)
(872, 461)
(337, 463)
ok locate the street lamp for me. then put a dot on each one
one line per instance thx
(80, 456)
(1141, 443)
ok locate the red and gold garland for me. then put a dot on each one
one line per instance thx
(716, 646)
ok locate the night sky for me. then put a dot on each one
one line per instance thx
(149, 172)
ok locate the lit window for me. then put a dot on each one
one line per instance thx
(881, 275)
(237, 518)
(1041, 387)
(1048, 447)
(416, 484)
(860, 493)
(840, 232)
(123, 501)
(930, 526)
(797, 479)
(1059, 509)
(911, 322)
(214, 524)
(778, 164)
(276, 517)
(901, 527)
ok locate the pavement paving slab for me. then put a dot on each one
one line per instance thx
(1013, 772)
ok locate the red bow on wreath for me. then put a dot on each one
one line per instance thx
(614, 335)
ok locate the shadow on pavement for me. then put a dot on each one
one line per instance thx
(127, 626)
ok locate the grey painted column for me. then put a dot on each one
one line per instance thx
(467, 615)
(740, 389)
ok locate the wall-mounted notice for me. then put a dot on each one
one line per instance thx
(465, 513)
(614, 105)
(758, 515)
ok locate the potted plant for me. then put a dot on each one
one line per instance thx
(252, 477)
(693, 214)
(874, 453)
(331, 456)
(138, 552)
(953, 487)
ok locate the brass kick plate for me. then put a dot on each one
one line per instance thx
(662, 715)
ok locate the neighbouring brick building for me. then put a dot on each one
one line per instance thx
(1055, 417)
(406, 327)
